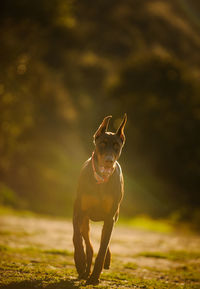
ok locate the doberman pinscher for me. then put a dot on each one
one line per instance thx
(100, 191)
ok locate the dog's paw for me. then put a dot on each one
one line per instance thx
(84, 276)
(92, 281)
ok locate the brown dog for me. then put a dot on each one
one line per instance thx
(100, 191)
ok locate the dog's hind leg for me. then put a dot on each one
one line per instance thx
(107, 259)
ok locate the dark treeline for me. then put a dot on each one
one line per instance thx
(66, 64)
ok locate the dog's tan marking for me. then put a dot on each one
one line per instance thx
(88, 201)
(107, 204)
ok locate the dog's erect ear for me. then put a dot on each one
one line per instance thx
(103, 127)
(120, 130)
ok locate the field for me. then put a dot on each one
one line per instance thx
(37, 252)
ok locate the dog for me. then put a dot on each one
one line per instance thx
(99, 195)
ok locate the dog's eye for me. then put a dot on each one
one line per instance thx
(116, 146)
(102, 144)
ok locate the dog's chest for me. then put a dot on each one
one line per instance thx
(99, 201)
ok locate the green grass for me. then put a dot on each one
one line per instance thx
(31, 267)
(28, 267)
(130, 265)
(35, 250)
(58, 252)
(172, 255)
(127, 280)
(149, 224)
(187, 273)
(5, 211)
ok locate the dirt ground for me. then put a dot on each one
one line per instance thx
(140, 255)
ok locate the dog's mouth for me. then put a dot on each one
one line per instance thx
(106, 165)
(106, 170)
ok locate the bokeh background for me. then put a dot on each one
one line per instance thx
(66, 64)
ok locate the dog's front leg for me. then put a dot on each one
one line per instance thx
(99, 262)
(79, 254)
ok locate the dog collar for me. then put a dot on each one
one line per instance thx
(98, 178)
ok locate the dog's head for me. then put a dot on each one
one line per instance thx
(108, 145)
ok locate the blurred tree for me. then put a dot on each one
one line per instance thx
(65, 64)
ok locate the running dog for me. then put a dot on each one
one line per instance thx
(99, 195)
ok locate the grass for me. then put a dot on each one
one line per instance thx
(58, 252)
(5, 210)
(35, 250)
(130, 265)
(187, 273)
(18, 234)
(126, 280)
(9, 211)
(149, 224)
(172, 255)
(31, 267)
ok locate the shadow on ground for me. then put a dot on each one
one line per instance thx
(35, 284)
